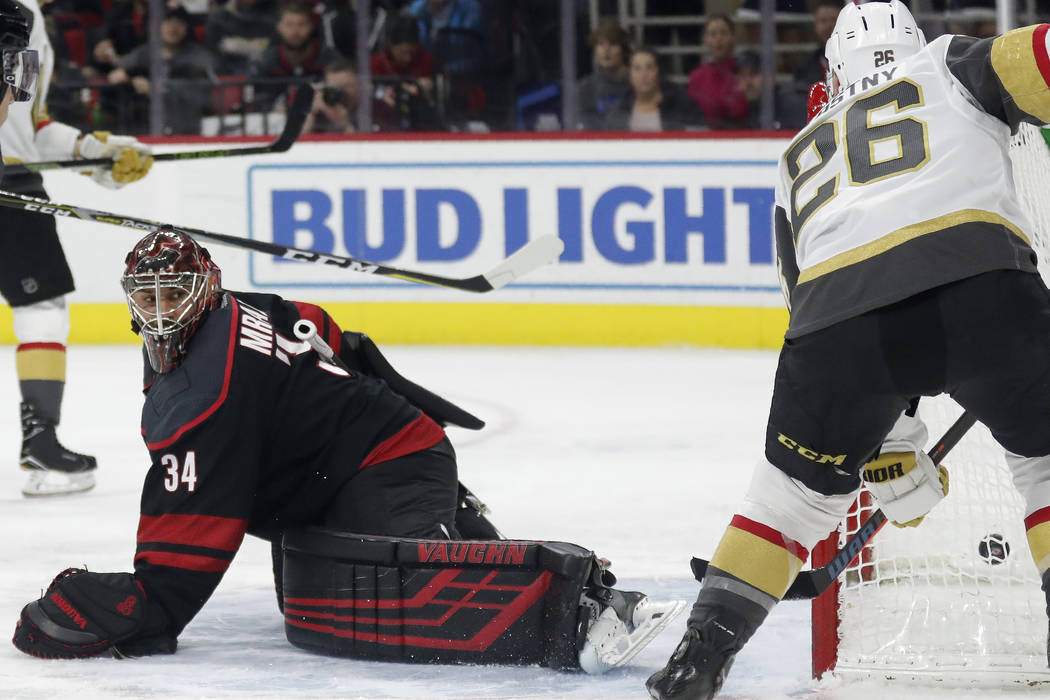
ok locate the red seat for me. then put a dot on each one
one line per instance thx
(227, 98)
(76, 42)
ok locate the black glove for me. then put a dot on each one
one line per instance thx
(83, 613)
(14, 26)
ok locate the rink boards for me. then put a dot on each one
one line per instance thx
(668, 239)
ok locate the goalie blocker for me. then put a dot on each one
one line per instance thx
(513, 602)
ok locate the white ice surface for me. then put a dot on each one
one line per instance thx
(639, 454)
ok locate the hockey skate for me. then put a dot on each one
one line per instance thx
(700, 662)
(53, 470)
(622, 623)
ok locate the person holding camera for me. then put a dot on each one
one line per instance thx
(403, 74)
(334, 110)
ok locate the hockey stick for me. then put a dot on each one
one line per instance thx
(810, 584)
(529, 257)
(293, 126)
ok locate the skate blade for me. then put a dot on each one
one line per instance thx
(46, 482)
(645, 633)
(663, 612)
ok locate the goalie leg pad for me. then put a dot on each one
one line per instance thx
(435, 601)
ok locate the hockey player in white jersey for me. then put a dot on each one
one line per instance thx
(34, 275)
(904, 256)
(18, 64)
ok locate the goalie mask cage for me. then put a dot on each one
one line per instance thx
(923, 603)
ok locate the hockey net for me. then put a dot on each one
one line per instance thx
(930, 603)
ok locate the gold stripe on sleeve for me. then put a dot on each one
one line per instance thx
(1013, 60)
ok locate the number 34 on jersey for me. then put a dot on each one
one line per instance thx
(180, 474)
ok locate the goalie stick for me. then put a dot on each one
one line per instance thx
(531, 256)
(810, 584)
(293, 126)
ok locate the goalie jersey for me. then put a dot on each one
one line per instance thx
(903, 181)
(252, 433)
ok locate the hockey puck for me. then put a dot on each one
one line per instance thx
(994, 549)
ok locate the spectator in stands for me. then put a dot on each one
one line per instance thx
(652, 104)
(404, 79)
(789, 112)
(183, 59)
(126, 28)
(714, 86)
(404, 54)
(298, 54)
(334, 109)
(238, 32)
(813, 67)
(606, 87)
(452, 29)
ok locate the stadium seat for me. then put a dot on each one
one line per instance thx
(76, 42)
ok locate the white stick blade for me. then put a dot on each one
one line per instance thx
(532, 256)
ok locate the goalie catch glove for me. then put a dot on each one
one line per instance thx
(903, 478)
(83, 614)
(132, 159)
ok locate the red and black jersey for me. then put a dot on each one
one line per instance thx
(253, 433)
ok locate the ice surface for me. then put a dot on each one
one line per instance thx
(639, 454)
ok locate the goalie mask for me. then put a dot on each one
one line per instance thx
(868, 37)
(170, 282)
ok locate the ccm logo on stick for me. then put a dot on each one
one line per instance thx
(46, 210)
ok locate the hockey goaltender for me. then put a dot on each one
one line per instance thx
(344, 466)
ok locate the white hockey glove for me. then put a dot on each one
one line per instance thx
(131, 158)
(903, 479)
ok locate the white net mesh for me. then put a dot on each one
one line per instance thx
(923, 602)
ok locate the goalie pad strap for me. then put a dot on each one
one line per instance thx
(435, 601)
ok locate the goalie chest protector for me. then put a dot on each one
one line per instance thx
(434, 601)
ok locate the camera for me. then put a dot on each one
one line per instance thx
(333, 96)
